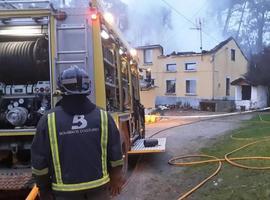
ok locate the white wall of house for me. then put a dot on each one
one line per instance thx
(259, 95)
(238, 93)
(262, 95)
(254, 94)
(244, 103)
(181, 101)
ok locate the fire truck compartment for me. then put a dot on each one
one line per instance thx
(24, 75)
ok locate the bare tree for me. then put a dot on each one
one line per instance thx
(246, 20)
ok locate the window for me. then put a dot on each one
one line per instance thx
(152, 81)
(190, 86)
(228, 86)
(246, 92)
(148, 56)
(190, 66)
(148, 76)
(233, 54)
(171, 67)
(170, 86)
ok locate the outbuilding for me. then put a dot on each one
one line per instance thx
(249, 95)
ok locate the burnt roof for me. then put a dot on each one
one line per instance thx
(214, 50)
(154, 46)
(221, 45)
(183, 53)
(243, 81)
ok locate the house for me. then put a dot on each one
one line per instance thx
(199, 80)
(249, 95)
(148, 59)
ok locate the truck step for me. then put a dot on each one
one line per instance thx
(139, 148)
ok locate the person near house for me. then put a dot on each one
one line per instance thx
(76, 152)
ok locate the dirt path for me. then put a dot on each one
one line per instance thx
(154, 179)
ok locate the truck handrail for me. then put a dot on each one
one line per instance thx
(14, 4)
(17, 2)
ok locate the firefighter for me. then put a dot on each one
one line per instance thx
(76, 152)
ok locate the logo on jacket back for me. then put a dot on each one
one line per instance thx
(78, 122)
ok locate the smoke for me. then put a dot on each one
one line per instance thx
(154, 22)
(146, 22)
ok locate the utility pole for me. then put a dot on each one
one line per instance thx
(199, 28)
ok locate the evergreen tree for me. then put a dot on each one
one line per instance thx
(259, 68)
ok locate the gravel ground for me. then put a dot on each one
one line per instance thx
(153, 178)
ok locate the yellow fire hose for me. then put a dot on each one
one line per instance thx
(33, 194)
(212, 159)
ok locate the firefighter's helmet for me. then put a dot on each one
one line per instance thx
(74, 81)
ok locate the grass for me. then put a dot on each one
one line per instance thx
(235, 183)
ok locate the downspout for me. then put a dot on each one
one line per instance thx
(268, 95)
(213, 76)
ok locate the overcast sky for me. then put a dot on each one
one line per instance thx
(142, 15)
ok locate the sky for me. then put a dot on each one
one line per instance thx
(145, 28)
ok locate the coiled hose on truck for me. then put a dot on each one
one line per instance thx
(24, 61)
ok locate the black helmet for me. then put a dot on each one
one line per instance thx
(74, 80)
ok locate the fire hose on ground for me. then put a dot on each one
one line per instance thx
(212, 159)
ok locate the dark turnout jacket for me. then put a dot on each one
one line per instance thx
(74, 146)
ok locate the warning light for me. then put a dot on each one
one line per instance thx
(104, 35)
(133, 52)
(93, 13)
(121, 52)
(94, 16)
(108, 17)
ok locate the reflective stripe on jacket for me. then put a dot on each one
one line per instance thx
(58, 185)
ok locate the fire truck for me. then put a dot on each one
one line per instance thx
(38, 40)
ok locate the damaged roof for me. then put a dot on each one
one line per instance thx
(243, 81)
(214, 50)
(185, 53)
(155, 46)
